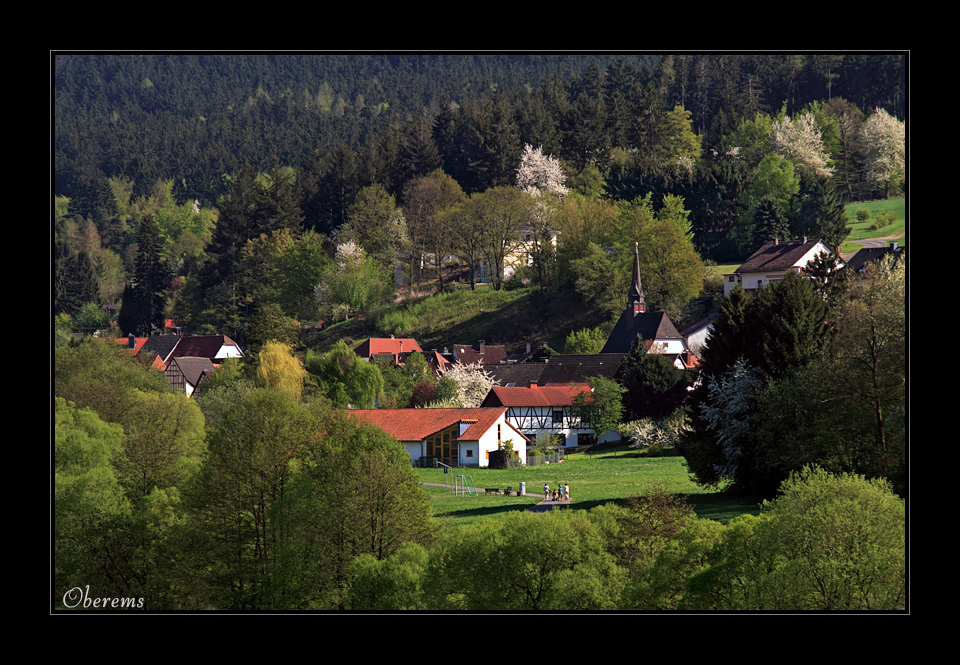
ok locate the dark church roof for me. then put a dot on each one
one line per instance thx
(636, 320)
(651, 326)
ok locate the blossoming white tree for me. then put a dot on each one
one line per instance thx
(883, 142)
(541, 177)
(539, 173)
(800, 140)
(352, 282)
(473, 383)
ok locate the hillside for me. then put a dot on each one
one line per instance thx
(511, 318)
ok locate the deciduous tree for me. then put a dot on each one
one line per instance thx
(799, 139)
(344, 378)
(884, 146)
(601, 407)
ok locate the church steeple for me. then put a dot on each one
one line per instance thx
(635, 301)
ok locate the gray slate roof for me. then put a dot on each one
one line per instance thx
(565, 368)
(649, 325)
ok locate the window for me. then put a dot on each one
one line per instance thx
(469, 452)
(558, 417)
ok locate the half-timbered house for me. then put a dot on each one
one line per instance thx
(549, 409)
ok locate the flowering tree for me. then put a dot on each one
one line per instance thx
(648, 432)
(882, 138)
(473, 383)
(801, 141)
(539, 173)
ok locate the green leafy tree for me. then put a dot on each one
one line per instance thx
(601, 281)
(91, 318)
(554, 561)
(376, 223)
(352, 282)
(502, 212)
(828, 542)
(100, 375)
(872, 354)
(355, 495)
(89, 506)
(585, 340)
(218, 294)
(271, 325)
(430, 232)
(390, 584)
(163, 442)
(344, 378)
(247, 471)
(773, 177)
(600, 408)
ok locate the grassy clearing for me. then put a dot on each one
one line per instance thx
(593, 479)
(864, 230)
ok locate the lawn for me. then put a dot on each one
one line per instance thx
(593, 480)
(863, 230)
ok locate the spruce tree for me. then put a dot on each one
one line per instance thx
(145, 299)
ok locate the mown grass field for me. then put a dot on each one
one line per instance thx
(864, 230)
(594, 480)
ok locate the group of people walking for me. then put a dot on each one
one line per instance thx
(561, 493)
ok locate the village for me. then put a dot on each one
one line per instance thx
(530, 397)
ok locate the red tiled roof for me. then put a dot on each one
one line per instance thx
(139, 342)
(418, 424)
(551, 395)
(392, 345)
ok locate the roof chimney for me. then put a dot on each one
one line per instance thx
(131, 341)
(776, 241)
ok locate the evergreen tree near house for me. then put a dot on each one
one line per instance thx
(145, 299)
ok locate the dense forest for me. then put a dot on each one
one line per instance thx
(173, 152)
(197, 119)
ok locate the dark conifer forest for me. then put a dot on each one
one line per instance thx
(197, 119)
